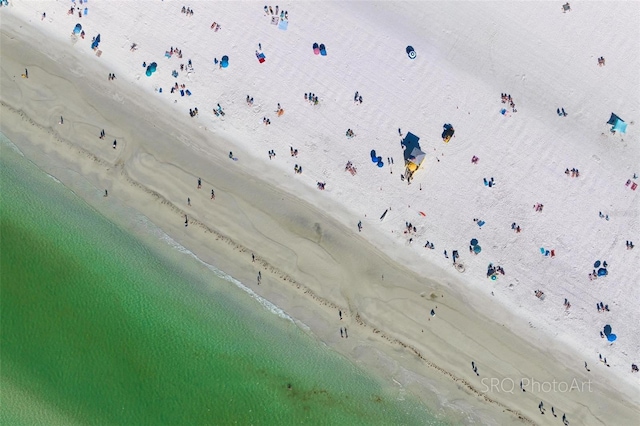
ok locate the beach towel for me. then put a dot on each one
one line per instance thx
(188, 92)
(181, 92)
(261, 57)
(283, 25)
(323, 50)
(316, 50)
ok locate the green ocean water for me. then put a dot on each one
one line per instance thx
(98, 327)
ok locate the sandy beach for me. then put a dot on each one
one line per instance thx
(313, 261)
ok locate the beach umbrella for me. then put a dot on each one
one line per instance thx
(77, 29)
(602, 272)
(380, 164)
(612, 337)
(411, 52)
(597, 264)
(374, 155)
(607, 330)
(224, 61)
(474, 242)
(477, 249)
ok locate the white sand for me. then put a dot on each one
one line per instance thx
(467, 56)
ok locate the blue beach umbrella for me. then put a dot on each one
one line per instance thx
(474, 242)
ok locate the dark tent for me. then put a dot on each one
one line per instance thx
(618, 124)
(614, 119)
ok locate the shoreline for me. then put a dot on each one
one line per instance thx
(296, 236)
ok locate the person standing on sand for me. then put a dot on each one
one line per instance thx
(346, 336)
(188, 201)
(199, 183)
(213, 195)
(186, 221)
(340, 314)
(61, 120)
(106, 194)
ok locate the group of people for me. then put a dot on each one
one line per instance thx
(492, 270)
(602, 307)
(357, 98)
(321, 185)
(350, 168)
(630, 245)
(312, 98)
(516, 227)
(249, 100)
(538, 207)
(349, 133)
(268, 10)
(573, 172)
(294, 152)
(112, 76)
(187, 11)
(506, 98)
(193, 112)
(601, 61)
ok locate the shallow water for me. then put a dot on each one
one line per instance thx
(99, 326)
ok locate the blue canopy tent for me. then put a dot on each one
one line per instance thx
(618, 124)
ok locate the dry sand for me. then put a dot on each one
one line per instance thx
(311, 265)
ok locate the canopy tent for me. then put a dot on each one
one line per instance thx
(618, 124)
(415, 159)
